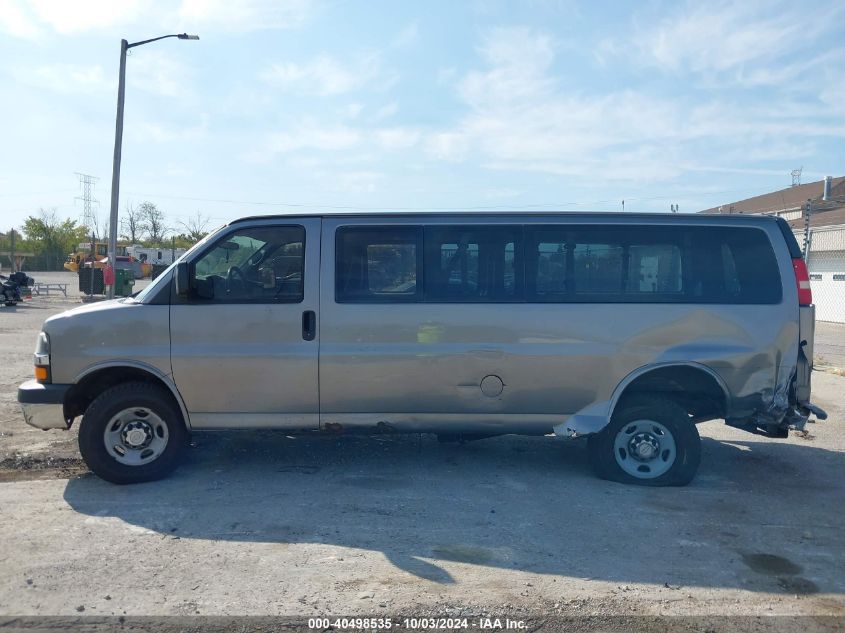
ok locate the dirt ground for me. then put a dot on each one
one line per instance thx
(259, 523)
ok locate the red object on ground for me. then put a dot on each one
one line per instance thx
(108, 276)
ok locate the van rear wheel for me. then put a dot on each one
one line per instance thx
(132, 433)
(650, 442)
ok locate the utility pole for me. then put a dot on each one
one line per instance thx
(88, 183)
(118, 144)
(808, 209)
(12, 237)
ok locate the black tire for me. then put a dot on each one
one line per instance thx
(668, 414)
(100, 412)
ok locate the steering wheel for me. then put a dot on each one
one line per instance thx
(231, 275)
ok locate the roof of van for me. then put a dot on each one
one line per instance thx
(697, 217)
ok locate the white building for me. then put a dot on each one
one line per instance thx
(157, 256)
(824, 233)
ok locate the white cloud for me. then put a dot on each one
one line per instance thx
(156, 132)
(83, 15)
(324, 75)
(749, 40)
(522, 116)
(29, 19)
(357, 181)
(33, 18)
(158, 72)
(386, 111)
(313, 137)
(518, 61)
(247, 15)
(351, 110)
(451, 146)
(408, 36)
(397, 137)
(502, 194)
(17, 21)
(65, 78)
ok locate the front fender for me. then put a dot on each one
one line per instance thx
(166, 379)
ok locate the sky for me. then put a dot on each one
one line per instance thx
(286, 106)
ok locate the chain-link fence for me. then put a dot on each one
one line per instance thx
(826, 263)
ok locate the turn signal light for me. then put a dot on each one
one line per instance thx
(42, 374)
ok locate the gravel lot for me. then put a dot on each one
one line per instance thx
(261, 523)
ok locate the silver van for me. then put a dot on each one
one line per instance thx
(626, 329)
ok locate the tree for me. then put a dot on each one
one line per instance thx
(133, 224)
(196, 227)
(52, 238)
(101, 227)
(154, 222)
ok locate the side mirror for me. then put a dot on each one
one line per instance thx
(182, 281)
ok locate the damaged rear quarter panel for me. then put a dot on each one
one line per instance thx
(751, 350)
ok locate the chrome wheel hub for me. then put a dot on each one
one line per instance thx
(644, 449)
(136, 436)
(644, 446)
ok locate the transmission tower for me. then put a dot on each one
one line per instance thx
(796, 176)
(89, 214)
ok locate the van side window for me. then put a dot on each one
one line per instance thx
(472, 264)
(650, 264)
(654, 268)
(252, 265)
(378, 264)
(602, 264)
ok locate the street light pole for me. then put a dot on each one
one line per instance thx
(118, 147)
(115, 170)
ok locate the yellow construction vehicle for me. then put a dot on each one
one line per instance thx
(83, 255)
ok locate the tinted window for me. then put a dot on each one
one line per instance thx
(252, 265)
(638, 264)
(563, 263)
(472, 263)
(378, 264)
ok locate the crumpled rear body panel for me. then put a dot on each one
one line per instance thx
(751, 351)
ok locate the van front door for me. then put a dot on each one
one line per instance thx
(243, 343)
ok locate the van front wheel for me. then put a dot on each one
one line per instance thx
(650, 442)
(131, 433)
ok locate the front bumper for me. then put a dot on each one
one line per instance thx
(43, 405)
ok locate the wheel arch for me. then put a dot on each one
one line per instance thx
(694, 386)
(97, 378)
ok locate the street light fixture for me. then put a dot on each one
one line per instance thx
(118, 144)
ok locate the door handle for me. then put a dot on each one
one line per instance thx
(309, 325)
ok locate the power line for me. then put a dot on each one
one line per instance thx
(34, 193)
(527, 207)
(522, 206)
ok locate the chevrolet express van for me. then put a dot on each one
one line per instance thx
(626, 329)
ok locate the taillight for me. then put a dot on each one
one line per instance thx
(802, 280)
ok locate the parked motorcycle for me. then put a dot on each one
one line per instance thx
(10, 288)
